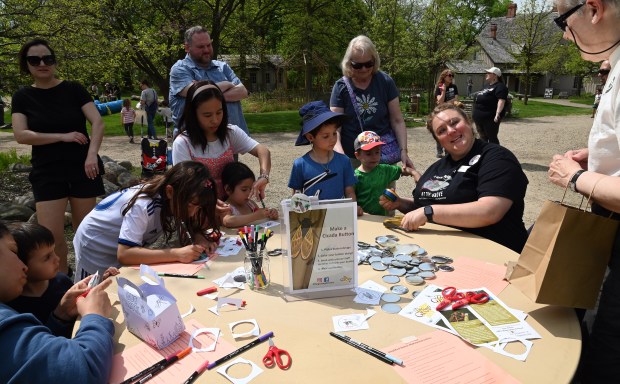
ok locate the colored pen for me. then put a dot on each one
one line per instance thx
(197, 373)
(91, 284)
(263, 204)
(148, 370)
(165, 365)
(180, 275)
(206, 291)
(191, 239)
(361, 347)
(396, 360)
(240, 350)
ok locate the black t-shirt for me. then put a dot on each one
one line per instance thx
(55, 110)
(451, 92)
(486, 100)
(487, 170)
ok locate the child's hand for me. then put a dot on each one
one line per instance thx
(271, 213)
(222, 209)
(97, 301)
(387, 204)
(360, 211)
(189, 253)
(112, 271)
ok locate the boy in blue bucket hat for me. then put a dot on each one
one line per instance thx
(322, 171)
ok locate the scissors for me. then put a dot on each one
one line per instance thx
(274, 356)
(460, 299)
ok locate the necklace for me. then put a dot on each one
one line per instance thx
(330, 156)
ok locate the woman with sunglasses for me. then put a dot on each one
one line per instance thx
(446, 92)
(489, 106)
(594, 171)
(121, 228)
(51, 116)
(370, 97)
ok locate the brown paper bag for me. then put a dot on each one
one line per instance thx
(565, 257)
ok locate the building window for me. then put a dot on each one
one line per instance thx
(253, 78)
(267, 78)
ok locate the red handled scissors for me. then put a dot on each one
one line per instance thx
(460, 299)
(274, 356)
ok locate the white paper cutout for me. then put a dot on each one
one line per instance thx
(229, 246)
(256, 370)
(253, 332)
(226, 300)
(191, 310)
(369, 293)
(269, 224)
(352, 322)
(228, 280)
(500, 345)
(211, 347)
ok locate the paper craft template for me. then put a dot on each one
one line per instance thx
(369, 293)
(228, 280)
(215, 335)
(322, 244)
(229, 246)
(256, 370)
(226, 301)
(133, 360)
(151, 312)
(255, 331)
(352, 322)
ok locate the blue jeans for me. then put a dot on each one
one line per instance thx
(150, 116)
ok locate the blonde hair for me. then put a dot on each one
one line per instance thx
(361, 44)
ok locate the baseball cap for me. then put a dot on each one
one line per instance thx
(494, 70)
(367, 140)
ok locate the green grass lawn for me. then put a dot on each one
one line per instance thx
(540, 109)
(288, 121)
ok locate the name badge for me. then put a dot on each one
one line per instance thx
(463, 168)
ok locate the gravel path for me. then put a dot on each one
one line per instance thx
(534, 141)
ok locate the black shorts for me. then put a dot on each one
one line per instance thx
(53, 183)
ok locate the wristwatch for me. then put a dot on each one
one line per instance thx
(264, 176)
(573, 180)
(428, 212)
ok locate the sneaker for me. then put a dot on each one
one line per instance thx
(131, 140)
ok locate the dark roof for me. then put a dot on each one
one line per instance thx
(499, 50)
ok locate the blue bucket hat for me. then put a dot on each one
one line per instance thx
(313, 115)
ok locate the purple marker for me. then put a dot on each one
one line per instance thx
(239, 351)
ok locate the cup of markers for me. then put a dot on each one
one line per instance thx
(256, 262)
(256, 266)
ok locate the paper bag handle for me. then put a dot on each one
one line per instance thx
(122, 282)
(588, 202)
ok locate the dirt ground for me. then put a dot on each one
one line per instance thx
(534, 141)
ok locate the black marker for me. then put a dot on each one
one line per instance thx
(364, 348)
(240, 350)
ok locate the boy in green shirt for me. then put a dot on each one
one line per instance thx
(372, 177)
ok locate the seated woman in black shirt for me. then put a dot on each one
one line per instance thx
(478, 187)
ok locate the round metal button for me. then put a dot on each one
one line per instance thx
(387, 260)
(414, 279)
(403, 257)
(374, 259)
(392, 237)
(391, 308)
(446, 268)
(397, 271)
(390, 279)
(441, 259)
(390, 298)
(427, 267)
(399, 289)
(398, 264)
(421, 251)
(361, 244)
(406, 249)
(378, 266)
(427, 275)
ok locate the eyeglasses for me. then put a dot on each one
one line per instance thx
(560, 21)
(368, 64)
(450, 75)
(35, 61)
(604, 71)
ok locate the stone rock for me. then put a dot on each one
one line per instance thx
(68, 219)
(126, 164)
(27, 200)
(14, 212)
(126, 180)
(114, 170)
(109, 187)
(106, 159)
(20, 167)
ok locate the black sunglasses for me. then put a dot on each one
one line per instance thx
(450, 75)
(604, 71)
(560, 21)
(368, 64)
(35, 61)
